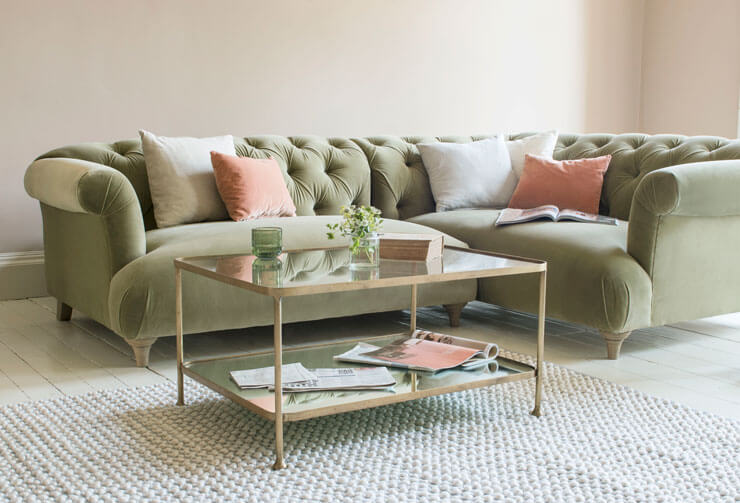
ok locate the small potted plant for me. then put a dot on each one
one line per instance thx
(361, 224)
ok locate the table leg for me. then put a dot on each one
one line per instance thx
(412, 323)
(178, 325)
(278, 350)
(539, 371)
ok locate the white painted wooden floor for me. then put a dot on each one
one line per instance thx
(695, 363)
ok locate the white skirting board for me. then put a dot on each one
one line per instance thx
(22, 275)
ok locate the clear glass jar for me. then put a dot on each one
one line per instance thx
(367, 255)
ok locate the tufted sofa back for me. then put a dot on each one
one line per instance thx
(400, 187)
(636, 155)
(324, 174)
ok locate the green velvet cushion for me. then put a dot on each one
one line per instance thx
(591, 279)
(142, 294)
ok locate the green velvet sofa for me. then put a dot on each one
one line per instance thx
(676, 259)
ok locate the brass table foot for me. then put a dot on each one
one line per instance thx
(536, 412)
(279, 464)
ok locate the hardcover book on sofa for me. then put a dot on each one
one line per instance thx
(516, 216)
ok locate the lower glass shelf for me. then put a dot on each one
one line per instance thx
(411, 385)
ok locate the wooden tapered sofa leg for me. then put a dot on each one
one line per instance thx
(141, 349)
(64, 312)
(614, 343)
(453, 311)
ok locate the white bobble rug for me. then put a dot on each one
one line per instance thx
(596, 442)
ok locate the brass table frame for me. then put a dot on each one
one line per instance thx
(277, 293)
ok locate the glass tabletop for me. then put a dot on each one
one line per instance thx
(324, 270)
(410, 384)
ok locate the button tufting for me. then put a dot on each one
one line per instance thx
(296, 142)
(117, 148)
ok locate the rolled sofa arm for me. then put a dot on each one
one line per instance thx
(702, 189)
(684, 230)
(93, 226)
(79, 186)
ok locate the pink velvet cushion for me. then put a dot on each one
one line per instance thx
(572, 185)
(251, 188)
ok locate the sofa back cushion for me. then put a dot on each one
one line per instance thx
(322, 174)
(400, 187)
(635, 155)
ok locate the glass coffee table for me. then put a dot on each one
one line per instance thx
(307, 272)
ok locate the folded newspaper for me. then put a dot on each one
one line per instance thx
(427, 351)
(331, 379)
(298, 378)
(265, 377)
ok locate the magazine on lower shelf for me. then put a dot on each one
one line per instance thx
(427, 351)
(510, 216)
(349, 379)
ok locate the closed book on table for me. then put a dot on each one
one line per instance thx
(397, 246)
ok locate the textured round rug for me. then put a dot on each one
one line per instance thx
(596, 442)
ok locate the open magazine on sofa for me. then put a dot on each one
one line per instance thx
(427, 351)
(517, 216)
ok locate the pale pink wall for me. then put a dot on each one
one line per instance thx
(691, 67)
(92, 70)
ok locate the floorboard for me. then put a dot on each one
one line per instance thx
(696, 363)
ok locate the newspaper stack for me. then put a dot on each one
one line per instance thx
(297, 378)
(265, 377)
(333, 379)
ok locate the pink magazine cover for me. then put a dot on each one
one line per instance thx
(423, 353)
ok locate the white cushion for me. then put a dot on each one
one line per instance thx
(469, 175)
(181, 179)
(541, 144)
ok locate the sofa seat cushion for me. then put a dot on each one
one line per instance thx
(142, 294)
(591, 278)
